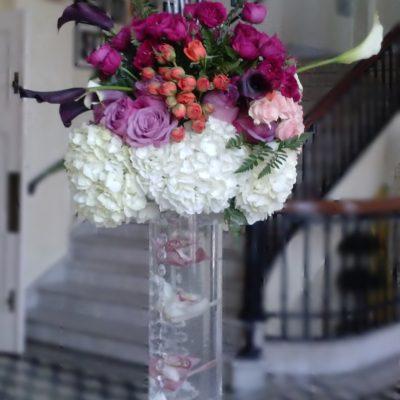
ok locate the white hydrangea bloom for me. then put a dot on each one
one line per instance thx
(194, 176)
(259, 198)
(104, 183)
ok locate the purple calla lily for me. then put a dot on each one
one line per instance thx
(56, 97)
(69, 111)
(85, 13)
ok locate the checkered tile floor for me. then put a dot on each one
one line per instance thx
(31, 379)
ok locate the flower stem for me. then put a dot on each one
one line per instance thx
(129, 73)
(116, 88)
(317, 64)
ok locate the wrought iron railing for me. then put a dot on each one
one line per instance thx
(343, 124)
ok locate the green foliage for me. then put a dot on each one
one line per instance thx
(142, 8)
(209, 41)
(236, 142)
(234, 218)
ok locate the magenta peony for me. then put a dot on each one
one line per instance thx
(254, 13)
(149, 123)
(122, 39)
(145, 55)
(116, 115)
(106, 59)
(246, 41)
(290, 87)
(161, 26)
(210, 14)
(273, 49)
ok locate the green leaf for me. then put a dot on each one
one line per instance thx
(296, 142)
(234, 218)
(236, 142)
(227, 67)
(209, 41)
(258, 154)
(275, 162)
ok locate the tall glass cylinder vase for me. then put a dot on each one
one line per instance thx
(185, 327)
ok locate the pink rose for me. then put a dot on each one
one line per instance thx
(106, 59)
(210, 14)
(254, 13)
(116, 115)
(289, 128)
(149, 123)
(246, 41)
(144, 56)
(122, 39)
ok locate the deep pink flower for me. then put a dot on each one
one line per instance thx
(149, 123)
(161, 26)
(273, 71)
(224, 103)
(122, 39)
(290, 87)
(144, 56)
(106, 59)
(190, 10)
(116, 115)
(246, 41)
(210, 14)
(273, 49)
(263, 132)
(254, 13)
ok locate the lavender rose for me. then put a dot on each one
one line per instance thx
(255, 133)
(254, 13)
(150, 123)
(224, 103)
(115, 116)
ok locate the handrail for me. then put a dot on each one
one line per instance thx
(343, 207)
(326, 103)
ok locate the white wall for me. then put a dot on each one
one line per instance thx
(48, 65)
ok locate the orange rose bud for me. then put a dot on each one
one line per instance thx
(199, 125)
(208, 108)
(178, 134)
(187, 84)
(186, 98)
(179, 111)
(165, 53)
(177, 73)
(148, 73)
(153, 88)
(221, 82)
(167, 89)
(165, 73)
(194, 111)
(203, 84)
(195, 51)
(170, 101)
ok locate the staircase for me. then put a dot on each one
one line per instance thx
(101, 306)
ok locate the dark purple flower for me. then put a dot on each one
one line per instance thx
(263, 132)
(116, 115)
(145, 55)
(254, 13)
(56, 97)
(106, 59)
(254, 85)
(150, 123)
(85, 13)
(69, 111)
(224, 103)
(122, 39)
(246, 41)
(161, 26)
(210, 14)
(273, 50)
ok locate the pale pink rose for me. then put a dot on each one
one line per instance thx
(264, 111)
(289, 128)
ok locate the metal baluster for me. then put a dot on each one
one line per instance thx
(306, 281)
(326, 309)
(284, 289)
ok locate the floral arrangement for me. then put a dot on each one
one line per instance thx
(193, 113)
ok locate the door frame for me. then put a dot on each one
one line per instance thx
(13, 22)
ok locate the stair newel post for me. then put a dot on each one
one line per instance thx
(252, 309)
(185, 327)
